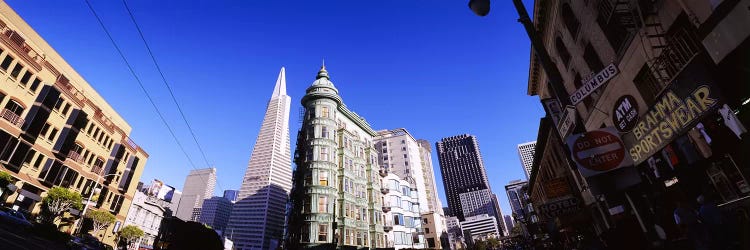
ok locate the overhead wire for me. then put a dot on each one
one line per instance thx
(164, 79)
(140, 84)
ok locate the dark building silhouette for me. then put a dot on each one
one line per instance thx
(462, 168)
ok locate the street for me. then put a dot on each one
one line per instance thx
(17, 241)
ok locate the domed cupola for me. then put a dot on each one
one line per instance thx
(322, 87)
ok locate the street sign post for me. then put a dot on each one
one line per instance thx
(567, 122)
(598, 151)
(594, 83)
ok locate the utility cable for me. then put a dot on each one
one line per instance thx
(164, 79)
(140, 84)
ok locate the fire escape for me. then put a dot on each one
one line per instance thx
(667, 51)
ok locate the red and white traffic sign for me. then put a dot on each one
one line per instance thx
(598, 151)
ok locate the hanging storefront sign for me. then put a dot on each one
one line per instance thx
(556, 188)
(598, 151)
(594, 83)
(560, 207)
(687, 100)
(625, 113)
(672, 114)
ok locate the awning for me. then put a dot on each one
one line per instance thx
(30, 195)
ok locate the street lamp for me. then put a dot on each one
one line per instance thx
(480, 7)
(91, 194)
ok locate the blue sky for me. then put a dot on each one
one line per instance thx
(432, 67)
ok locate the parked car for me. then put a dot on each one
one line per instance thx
(13, 218)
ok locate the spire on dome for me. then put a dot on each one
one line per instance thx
(280, 88)
(323, 72)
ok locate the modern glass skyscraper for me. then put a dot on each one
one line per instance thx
(258, 217)
(232, 195)
(199, 185)
(526, 154)
(462, 168)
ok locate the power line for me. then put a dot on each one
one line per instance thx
(164, 79)
(140, 84)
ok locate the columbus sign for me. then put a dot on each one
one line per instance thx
(670, 116)
(594, 83)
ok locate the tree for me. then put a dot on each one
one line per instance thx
(5, 179)
(130, 233)
(517, 230)
(101, 220)
(59, 200)
(493, 243)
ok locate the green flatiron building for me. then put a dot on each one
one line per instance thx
(336, 198)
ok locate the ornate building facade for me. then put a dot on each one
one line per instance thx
(336, 197)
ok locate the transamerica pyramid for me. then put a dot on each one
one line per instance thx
(257, 219)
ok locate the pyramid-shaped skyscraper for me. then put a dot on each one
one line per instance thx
(258, 217)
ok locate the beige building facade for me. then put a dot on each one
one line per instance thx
(56, 130)
(668, 77)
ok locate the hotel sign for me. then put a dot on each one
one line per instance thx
(594, 83)
(673, 114)
(560, 207)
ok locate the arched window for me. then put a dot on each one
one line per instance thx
(570, 20)
(562, 51)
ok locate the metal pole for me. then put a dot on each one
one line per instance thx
(85, 207)
(635, 210)
(91, 194)
(555, 79)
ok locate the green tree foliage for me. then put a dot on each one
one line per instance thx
(59, 200)
(101, 220)
(493, 243)
(130, 233)
(517, 230)
(5, 179)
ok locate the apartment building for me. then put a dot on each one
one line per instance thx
(56, 130)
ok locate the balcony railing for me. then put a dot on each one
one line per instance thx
(97, 170)
(386, 209)
(75, 156)
(384, 190)
(11, 117)
(387, 228)
(682, 46)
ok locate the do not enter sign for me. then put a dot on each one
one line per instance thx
(598, 151)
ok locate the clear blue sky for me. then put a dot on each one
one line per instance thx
(432, 67)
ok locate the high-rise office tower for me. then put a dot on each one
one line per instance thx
(517, 198)
(498, 214)
(337, 180)
(232, 195)
(258, 217)
(526, 154)
(215, 212)
(199, 185)
(477, 202)
(509, 224)
(462, 168)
